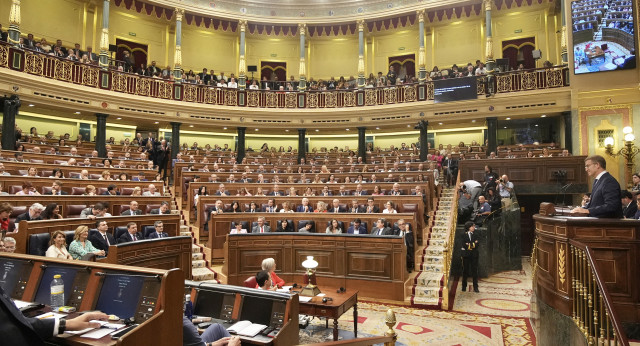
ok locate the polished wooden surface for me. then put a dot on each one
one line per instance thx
(334, 308)
(373, 265)
(9, 181)
(615, 244)
(167, 315)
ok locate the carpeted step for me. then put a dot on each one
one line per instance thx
(202, 274)
(198, 263)
(432, 268)
(195, 248)
(427, 302)
(195, 256)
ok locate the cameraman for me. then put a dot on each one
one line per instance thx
(505, 187)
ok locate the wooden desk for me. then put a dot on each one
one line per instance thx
(341, 303)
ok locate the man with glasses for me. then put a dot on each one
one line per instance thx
(605, 195)
(159, 233)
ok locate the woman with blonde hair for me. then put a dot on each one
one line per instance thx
(90, 190)
(58, 246)
(81, 246)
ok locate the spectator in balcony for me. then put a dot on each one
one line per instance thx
(44, 46)
(480, 69)
(93, 57)
(232, 83)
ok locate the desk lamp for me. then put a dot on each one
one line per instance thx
(310, 290)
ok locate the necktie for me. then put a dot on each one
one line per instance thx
(134, 238)
(595, 182)
(261, 229)
(336, 210)
(469, 236)
(106, 240)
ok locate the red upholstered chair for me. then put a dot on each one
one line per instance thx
(150, 207)
(95, 176)
(37, 161)
(13, 189)
(46, 190)
(74, 210)
(101, 190)
(76, 191)
(250, 282)
(123, 208)
(46, 173)
(408, 208)
(126, 191)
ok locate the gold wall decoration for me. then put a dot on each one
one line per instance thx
(562, 264)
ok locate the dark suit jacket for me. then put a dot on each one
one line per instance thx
(375, 209)
(300, 209)
(154, 235)
(470, 245)
(605, 198)
(25, 217)
(384, 231)
(630, 211)
(19, 330)
(220, 194)
(128, 212)
(106, 193)
(266, 208)
(62, 193)
(272, 193)
(157, 211)
(340, 210)
(126, 237)
(358, 210)
(361, 230)
(362, 193)
(98, 241)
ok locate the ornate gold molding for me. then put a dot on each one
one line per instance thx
(487, 5)
(360, 24)
(243, 25)
(14, 14)
(242, 68)
(422, 53)
(303, 28)
(562, 265)
(177, 56)
(361, 65)
(104, 40)
(179, 14)
(303, 71)
(420, 14)
(489, 48)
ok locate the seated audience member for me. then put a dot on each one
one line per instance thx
(51, 212)
(334, 227)
(253, 208)
(389, 209)
(56, 189)
(9, 244)
(357, 228)
(371, 208)
(636, 216)
(90, 190)
(307, 228)
(238, 229)
(2, 171)
(235, 207)
(102, 240)
(152, 191)
(214, 335)
(139, 177)
(133, 209)
(285, 208)
(271, 206)
(221, 191)
(401, 228)
(159, 233)
(27, 190)
(305, 207)
(269, 265)
(336, 208)
(5, 212)
(355, 207)
(264, 281)
(98, 210)
(58, 246)
(131, 234)
(112, 190)
(321, 207)
(164, 209)
(629, 206)
(381, 229)
(261, 227)
(284, 226)
(34, 213)
(484, 210)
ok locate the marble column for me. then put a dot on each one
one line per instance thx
(423, 125)
(563, 37)
(302, 148)
(491, 63)
(492, 134)
(177, 54)
(361, 80)
(242, 68)
(10, 107)
(302, 86)
(104, 37)
(101, 134)
(175, 139)
(241, 144)
(362, 143)
(422, 53)
(14, 23)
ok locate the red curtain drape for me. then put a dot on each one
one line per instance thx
(404, 63)
(138, 51)
(520, 51)
(268, 68)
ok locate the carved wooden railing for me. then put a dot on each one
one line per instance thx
(593, 310)
(35, 63)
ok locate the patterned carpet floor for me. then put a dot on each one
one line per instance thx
(498, 315)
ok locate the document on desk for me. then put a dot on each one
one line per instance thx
(50, 315)
(304, 299)
(97, 334)
(246, 328)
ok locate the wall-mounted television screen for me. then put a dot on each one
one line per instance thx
(455, 89)
(603, 35)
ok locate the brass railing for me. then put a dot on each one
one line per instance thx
(51, 67)
(448, 249)
(593, 310)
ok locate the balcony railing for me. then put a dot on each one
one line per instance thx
(51, 67)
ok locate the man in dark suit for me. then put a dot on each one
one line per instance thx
(164, 209)
(131, 234)
(20, 330)
(381, 229)
(161, 156)
(111, 190)
(355, 207)
(629, 206)
(357, 228)
(271, 206)
(336, 208)
(305, 207)
(159, 233)
(276, 191)
(32, 214)
(605, 195)
(469, 242)
(102, 239)
(221, 191)
(56, 189)
(325, 191)
(450, 167)
(133, 209)
(371, 208)
(261, 227)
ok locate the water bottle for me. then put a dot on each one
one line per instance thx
(57, 292)
(188, 307)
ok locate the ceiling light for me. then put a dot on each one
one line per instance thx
(508, 118)
(347, 129)
(505, 127)
(157, 122)
(287, 130)
(190, 125)
(473, 121)
(543, 116)
(408, 125)
(377, 127)
(31, 105)
(536, 125)
(317, 130)
(256, 129)
(77, 112)
(118, 118)
(224, 128)
(439, 123)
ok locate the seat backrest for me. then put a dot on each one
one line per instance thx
(46, 190)
(94, 176)
(77, 191)
(101, 190)
(146, 230)
(17, 210)
(68, 235)
(74, 210)
(39, 243)
(408, 207)
(303, 223)
(13, 189)
(119, 231)
(245, 225)
(151, 206)
(46, 173)
(57, 162)
(126, 191)
(250, 282)
(123, 208)
(74, 175)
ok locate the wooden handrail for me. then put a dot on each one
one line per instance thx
(586, 316)
(448, 250)
(356, 342)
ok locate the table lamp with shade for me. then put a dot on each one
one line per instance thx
(311, 289)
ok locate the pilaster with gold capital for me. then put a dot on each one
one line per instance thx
(14, 23)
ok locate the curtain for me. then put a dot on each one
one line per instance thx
(404, 65)
(520, 51)
(269, 68)
(138, 52)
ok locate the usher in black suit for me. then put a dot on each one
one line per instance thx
(605, 198)
(470, 242)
